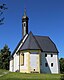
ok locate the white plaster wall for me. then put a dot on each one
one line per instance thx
(25, 66)
(16, 62)
(49, 60)
(34, 62)
(11, 65)
(16, 57)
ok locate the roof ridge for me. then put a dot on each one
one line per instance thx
(34, 39)
(30, 43)
(40, 36)
(18, 45)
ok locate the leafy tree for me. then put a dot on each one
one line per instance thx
(5, 57)
(61, 65)
(2, 8)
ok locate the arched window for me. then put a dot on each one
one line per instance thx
(22, 59)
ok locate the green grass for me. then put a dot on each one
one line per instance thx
(33, 76)
(2, 71)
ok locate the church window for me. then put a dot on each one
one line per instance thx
(22, 59)
(46, 64)
(51, 55)
(24, 24)
(45, 55)
(24, 30)
(51, 64)
(34, 69)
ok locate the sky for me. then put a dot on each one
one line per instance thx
(46, 18)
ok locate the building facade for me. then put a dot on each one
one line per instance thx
(34, 54)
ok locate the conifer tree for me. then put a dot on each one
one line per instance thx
(62, 65)
(5, 57)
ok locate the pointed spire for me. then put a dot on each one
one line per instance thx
(24, 16)
(25, 12)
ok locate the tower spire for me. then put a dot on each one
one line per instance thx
(25, 12)
(24, 24)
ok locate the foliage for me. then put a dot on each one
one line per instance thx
(2, 8)
(4, 57)
(62, 65)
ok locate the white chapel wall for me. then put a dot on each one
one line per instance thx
(11, 65)
(16, 62)
(49, 60)
(25, 67)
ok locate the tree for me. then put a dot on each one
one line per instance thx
(5, 57)
(0, 60)
(61, 65)
(2, 8)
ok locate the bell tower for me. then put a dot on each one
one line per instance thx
(24, 24)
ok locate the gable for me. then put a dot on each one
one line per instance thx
(20, 44)
(30, 43)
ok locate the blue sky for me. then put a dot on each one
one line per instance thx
(46, 18)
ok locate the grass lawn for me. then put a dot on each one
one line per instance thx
(33, 76)
(2, 71)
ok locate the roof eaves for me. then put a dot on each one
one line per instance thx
(54, 45)
(17, 46)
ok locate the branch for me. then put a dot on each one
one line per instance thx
(3, 7)
(1, 20)
(1, 12)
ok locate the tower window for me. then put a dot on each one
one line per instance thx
(45, 55)
(24, 24)
(51, 64)
(46, 64)
(51, 55)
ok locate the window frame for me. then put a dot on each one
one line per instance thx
(22, 64)
(45, 55)
(46, 64)
(51, 64)
(51, 55)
